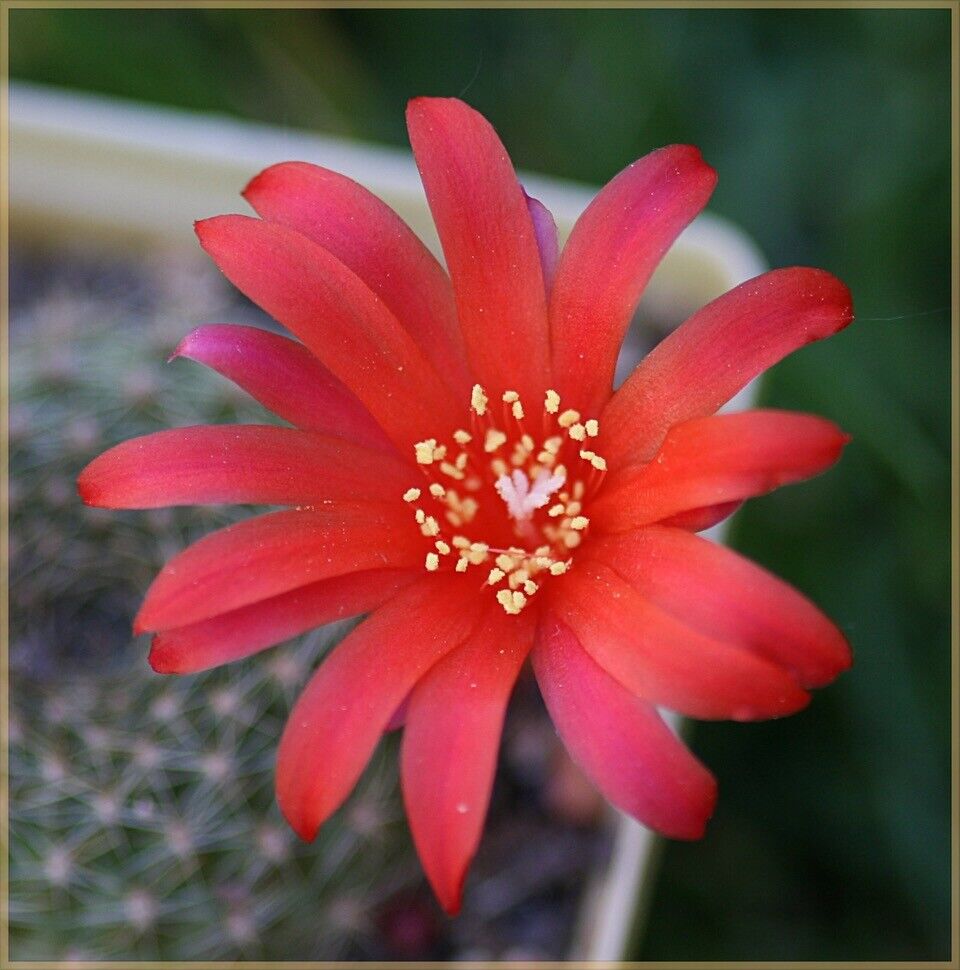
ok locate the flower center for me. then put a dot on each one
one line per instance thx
(523, 494)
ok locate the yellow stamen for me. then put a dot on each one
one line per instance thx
(411, 495)
(552, 402)
(493, 440)
(432, 562)
(593, 427)
(478, 400)
(568, 417)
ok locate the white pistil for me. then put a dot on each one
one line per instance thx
(522, 498)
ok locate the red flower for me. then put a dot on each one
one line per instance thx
(460, 468)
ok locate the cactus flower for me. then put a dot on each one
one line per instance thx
(458, 466)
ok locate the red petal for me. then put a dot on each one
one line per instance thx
(665, 662)
(240, 633)
(725, 596)
(723, 458)
(339, 718)
(545, 229)
(619, 741)
(612, 252)
(450, 743)
(260, 464)
(720, 349)
(372, 240)
(697, 520)
(285, 378)
(272, 554)
(337, 316)
(489, 243)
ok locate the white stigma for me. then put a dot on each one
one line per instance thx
(522, 498)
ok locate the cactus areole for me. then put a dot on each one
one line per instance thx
(458, 466)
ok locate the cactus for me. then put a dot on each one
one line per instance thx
(142, 818)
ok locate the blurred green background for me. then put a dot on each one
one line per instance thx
(831, 133)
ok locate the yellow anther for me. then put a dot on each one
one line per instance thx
(499, 467)
(593, 427)
(530, 587)
(494, 576)
(510, 396)
(578, 489)
(573, 508)
(580, 523)
(479, 547)
(572, 539)
(462, 437)
(452, 471)
(558, 568)
(552, 402)
(432, 562)
(431, 527)
(555, 510)
(528, 442)
(518, 577)
(437, 490)
(505, 562)
(461, 542)
(578, 432)
(411, 495)
(442, 547)
(425, 451)
(512, 603)
(461, 566)
(462, 460)
(420, 516)
(468, 508)
(553, 445)
(478, 400)
(493, 440)
(568, 417)
(598, 463)
(517, 410)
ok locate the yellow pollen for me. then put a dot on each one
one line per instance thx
(578, 432)
(442, 547)
(598, 463)
(493, 440)
(424, 451)
(499, 467)
(505, 562)
(555, 510)
(510, 396)
(437, 490)
(512, 603)
(495, 576)
(573, 508)
(558, 568)
(553, 445)
(420, 516)
(568, 417)
(530, 587)
(411, 495)
(517, 410)
(580, 522)
(462, 460)
(572, 539)
(552, 402)
(461, 542)
(461, 566)
(462, 437)
(478, 400)
(593, 427)
(452, 471)
(432, 562)
(431, 527)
